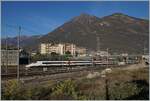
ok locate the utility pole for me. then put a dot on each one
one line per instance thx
(106, 88)
(98, 41)
(98, 45)
(18, 70)
(106, 79)
(107, 57)
(6, 54)
(144, 50)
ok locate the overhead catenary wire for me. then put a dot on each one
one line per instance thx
(22, 28)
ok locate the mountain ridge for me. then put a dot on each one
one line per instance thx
(118, 31)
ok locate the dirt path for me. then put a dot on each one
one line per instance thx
(135, 66)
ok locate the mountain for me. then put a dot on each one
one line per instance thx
(118, 32)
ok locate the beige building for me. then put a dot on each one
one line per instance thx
(81, 51)
(48, 48)
(70, 47)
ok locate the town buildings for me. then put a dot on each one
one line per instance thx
(61, 48)
(70, 48)
(48, 48)
(81, 51)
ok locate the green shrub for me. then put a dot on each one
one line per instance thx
(13, 90)
(123, 90)
(64, 90)
(38, 92)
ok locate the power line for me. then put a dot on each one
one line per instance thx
(12, 26)
(29, 30)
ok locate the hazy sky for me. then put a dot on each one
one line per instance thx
(42, 17)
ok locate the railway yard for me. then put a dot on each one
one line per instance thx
(54, 67)
(91, 77)
(56, 73)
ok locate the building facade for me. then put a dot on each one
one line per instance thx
(48, 48)
(9, 57)
(71, 48)
(81, 51)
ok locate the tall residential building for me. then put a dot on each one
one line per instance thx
(44, 48)
(71, 48)
(48, 48)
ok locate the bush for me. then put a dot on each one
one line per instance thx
(67, 90)
(13, 90)
(122, 90)
(64, 90)
(38, 92)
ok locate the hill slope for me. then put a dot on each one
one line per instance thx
(119, 32)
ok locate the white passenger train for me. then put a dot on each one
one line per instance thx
(65, 63)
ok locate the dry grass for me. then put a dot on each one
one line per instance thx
(121, 83)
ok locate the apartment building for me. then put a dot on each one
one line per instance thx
(71, 48)
(48, 48)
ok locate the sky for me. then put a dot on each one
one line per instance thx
(38, 18)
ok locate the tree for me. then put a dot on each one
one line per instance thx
(64, 90)
(67, 55)
(68, 52)
(14, 90)
(54, 56)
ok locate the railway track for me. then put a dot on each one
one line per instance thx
(42, 73)
(53, 71)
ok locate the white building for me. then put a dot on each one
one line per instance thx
(70, 47)
(103, 53)
(48, 48)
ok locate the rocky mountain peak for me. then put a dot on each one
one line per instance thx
(118, 14)
(122, 17)
(85, 18)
